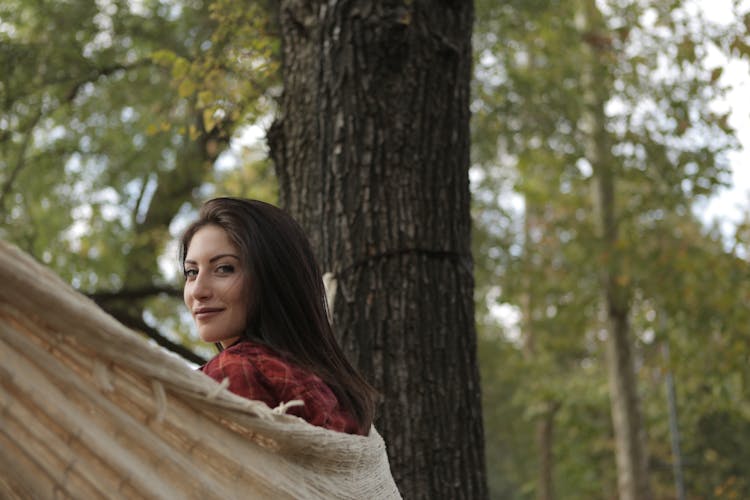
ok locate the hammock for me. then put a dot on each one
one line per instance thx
(90, 409)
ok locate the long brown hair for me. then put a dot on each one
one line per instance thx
(287, 309)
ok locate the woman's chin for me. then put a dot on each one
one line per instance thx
(210, 338)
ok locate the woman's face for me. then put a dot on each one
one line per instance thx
(215, 286)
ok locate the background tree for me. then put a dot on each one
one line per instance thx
(536, 100)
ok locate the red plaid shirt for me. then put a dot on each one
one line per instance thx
(258, 372)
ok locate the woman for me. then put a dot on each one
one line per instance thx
(254, 289)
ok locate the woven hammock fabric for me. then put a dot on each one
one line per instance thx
(90, 409)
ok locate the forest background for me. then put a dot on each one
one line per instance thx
(119, 117)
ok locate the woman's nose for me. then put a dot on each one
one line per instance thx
(202, 287)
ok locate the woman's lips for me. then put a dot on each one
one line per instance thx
(206, 312)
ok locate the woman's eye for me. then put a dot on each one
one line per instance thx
(225, 269)
(190, 273)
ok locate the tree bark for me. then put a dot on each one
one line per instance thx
(371, 150)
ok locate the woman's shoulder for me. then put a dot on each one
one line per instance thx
(258, 371)
(255, 352)
(246, 347)
(266, 361)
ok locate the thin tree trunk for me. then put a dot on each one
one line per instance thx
(371, 149)
(534, 220)
(674, 428)
(630, 450)
(545, 438)
(632, 470)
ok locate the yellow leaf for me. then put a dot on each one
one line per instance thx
(163, 57)
(214, 77)
(180, 68)
(208, 120)
(187, 88)
(194, 132)
(204, 98)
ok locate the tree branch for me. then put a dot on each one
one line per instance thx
(8, 184)
(97, 73)
(140, 325)
(92, 75)
(101, 297)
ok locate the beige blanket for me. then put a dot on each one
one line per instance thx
(89, 409)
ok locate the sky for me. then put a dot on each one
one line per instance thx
(728, 205)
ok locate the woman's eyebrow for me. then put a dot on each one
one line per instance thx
(214, 258)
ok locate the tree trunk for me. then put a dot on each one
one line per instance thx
(534, 221)
(630, 453)
(545, 443)
(632, 468)
(630, 450)
(371, 149)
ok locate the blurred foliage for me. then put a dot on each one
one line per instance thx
(118, 117)
(538, 256)
(115, 116)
